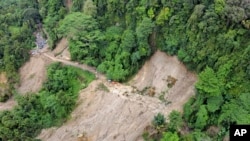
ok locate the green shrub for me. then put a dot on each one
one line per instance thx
(50, 107)
(159, 120)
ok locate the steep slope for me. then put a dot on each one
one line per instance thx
(158, 71)
(121, 113)
(33, 74)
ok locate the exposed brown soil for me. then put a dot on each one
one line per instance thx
(66, 54)
(8, 105)
(107, 116)
(3, 83)
(33, 74)
(68, 4)
(156, 73)
(62, 50)
(3, 78)
(60, 47)
(3, 89)
(121, 114)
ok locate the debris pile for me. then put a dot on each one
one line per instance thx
(40, 41)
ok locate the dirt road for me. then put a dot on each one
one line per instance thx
(75, 64)
(121, 114)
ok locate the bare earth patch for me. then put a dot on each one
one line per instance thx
(68, 4)
(156, 72)
(66, 54)
(3, 82)
(61, 45)
(3, 78)
(33, 74)
(8, 105)
(121, 114)
(62, 51)
(3, 87)
(107, 116)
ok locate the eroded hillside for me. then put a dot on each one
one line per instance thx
(109, 111)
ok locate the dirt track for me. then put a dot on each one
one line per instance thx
(75, 64)
(121, 114)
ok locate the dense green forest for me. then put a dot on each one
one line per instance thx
(18, 20)
(210, 36)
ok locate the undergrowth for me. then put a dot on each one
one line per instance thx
(49, 107)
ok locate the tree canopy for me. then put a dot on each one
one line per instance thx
(117, 37)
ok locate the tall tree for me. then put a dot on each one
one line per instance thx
(208, 83)
(89, 8)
